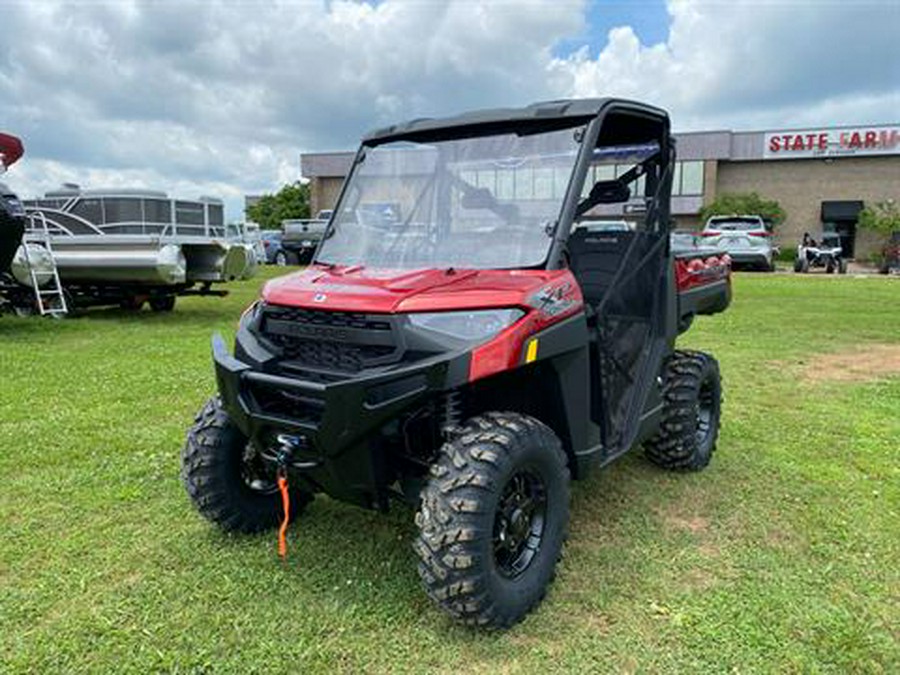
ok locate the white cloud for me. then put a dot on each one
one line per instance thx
(749, 64)
(221, 97)
(230, 93)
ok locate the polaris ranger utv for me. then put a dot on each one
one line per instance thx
(472, 348)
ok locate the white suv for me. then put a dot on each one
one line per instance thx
(745, 238)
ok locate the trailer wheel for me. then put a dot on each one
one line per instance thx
(692, 405)
(132, 303)
(225, 479)
(492, 519)
(162, 303)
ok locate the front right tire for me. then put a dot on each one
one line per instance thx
(492, 519)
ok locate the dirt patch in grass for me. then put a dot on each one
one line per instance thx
(694, 524)
(861, 364)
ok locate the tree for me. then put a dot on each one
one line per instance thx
(883, 217)
(291, 201)
(744, 203)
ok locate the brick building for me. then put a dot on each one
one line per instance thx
(821, 177)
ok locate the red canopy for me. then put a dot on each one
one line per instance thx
(10, 149)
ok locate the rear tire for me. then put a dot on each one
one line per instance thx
(222, 480)
(493, 518)
(804, 265)
(798, 265)
(842, 267)
(165, 303)
(692, 406)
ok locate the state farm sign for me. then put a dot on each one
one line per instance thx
(854, 141)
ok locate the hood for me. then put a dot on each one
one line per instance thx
(362, 289)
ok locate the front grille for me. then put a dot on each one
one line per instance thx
(344, 342)
(336, 319)
(329, 355)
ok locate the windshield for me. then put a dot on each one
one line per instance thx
(484, 202)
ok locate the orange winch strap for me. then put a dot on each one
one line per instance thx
(286, 503)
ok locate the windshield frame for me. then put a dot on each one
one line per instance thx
(622, 120)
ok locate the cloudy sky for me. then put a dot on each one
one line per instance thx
(221, 98)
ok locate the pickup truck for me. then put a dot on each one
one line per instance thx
(302, 236)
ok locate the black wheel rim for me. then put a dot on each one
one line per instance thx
(519, 523)
(255, 474)
(706, 408)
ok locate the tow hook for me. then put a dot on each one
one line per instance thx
(288, 447)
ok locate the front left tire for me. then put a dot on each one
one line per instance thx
(493, 518)
(225, 479)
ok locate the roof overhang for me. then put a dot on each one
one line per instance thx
(544, 116)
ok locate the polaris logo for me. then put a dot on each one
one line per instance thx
(308, 330)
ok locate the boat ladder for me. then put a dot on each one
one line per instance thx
(48, 291)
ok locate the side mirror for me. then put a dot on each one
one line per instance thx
(609, 192)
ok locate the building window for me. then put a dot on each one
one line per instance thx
(543, 183)
(506, 184)
(524, 184)
(691, 178)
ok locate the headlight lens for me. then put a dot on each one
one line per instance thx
(476, 325)
(250, 316)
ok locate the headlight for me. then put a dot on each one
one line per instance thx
(250, 316)
(473, 326)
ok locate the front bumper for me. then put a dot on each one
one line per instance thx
(337, 425)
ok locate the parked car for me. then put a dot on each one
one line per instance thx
(890, 256)
(274, 253)
(746, 239)
(826, 253)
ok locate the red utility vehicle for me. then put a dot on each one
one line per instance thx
(460, 343)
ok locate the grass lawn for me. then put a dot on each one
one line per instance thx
(783, 556)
